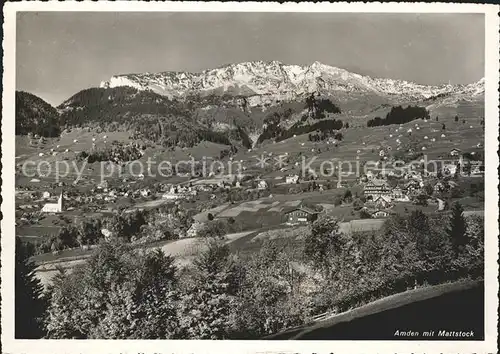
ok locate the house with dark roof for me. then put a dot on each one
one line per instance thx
(383, 202)
(300, 215)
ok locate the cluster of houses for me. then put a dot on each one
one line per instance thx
(381, 196)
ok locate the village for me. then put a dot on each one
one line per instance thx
(255, 198)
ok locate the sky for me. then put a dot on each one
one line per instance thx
(61, 53)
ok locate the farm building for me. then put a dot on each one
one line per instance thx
(301, 215)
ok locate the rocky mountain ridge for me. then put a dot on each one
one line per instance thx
(266, 82)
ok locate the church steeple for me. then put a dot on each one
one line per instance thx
(60, 201)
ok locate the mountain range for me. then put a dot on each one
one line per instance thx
(269, 82)
(231, 104)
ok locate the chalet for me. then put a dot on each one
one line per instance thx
(455, 152)
(397, 193)
(294, 179)
(375, 189)
(301, 215)
(382, 202)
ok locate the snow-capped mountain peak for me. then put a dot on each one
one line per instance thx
(277, 81)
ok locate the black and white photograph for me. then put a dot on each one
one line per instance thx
(236, 173)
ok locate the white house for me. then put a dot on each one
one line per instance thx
(171, 196)
(262, 185)
(380, 214)
(107, 234)
(54, 207)
(145, 192)
(294, 179)
(383, 202)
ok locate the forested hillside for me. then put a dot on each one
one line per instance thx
(35, 116)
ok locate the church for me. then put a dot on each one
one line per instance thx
(54, 207)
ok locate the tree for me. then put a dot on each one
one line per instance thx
(364, 214)
(268, 299)
(337, 200)
(68, 237)
(357, 204)
(400, 115)
(346, 125)
(457, 227)
(213, 229)
(437, 119)
(322, 242)
(421, 199)
(443, 127)
(456, 118)
(428, 189)
(116, 293)
(208, 304)
(89, 232)
(29, 302)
